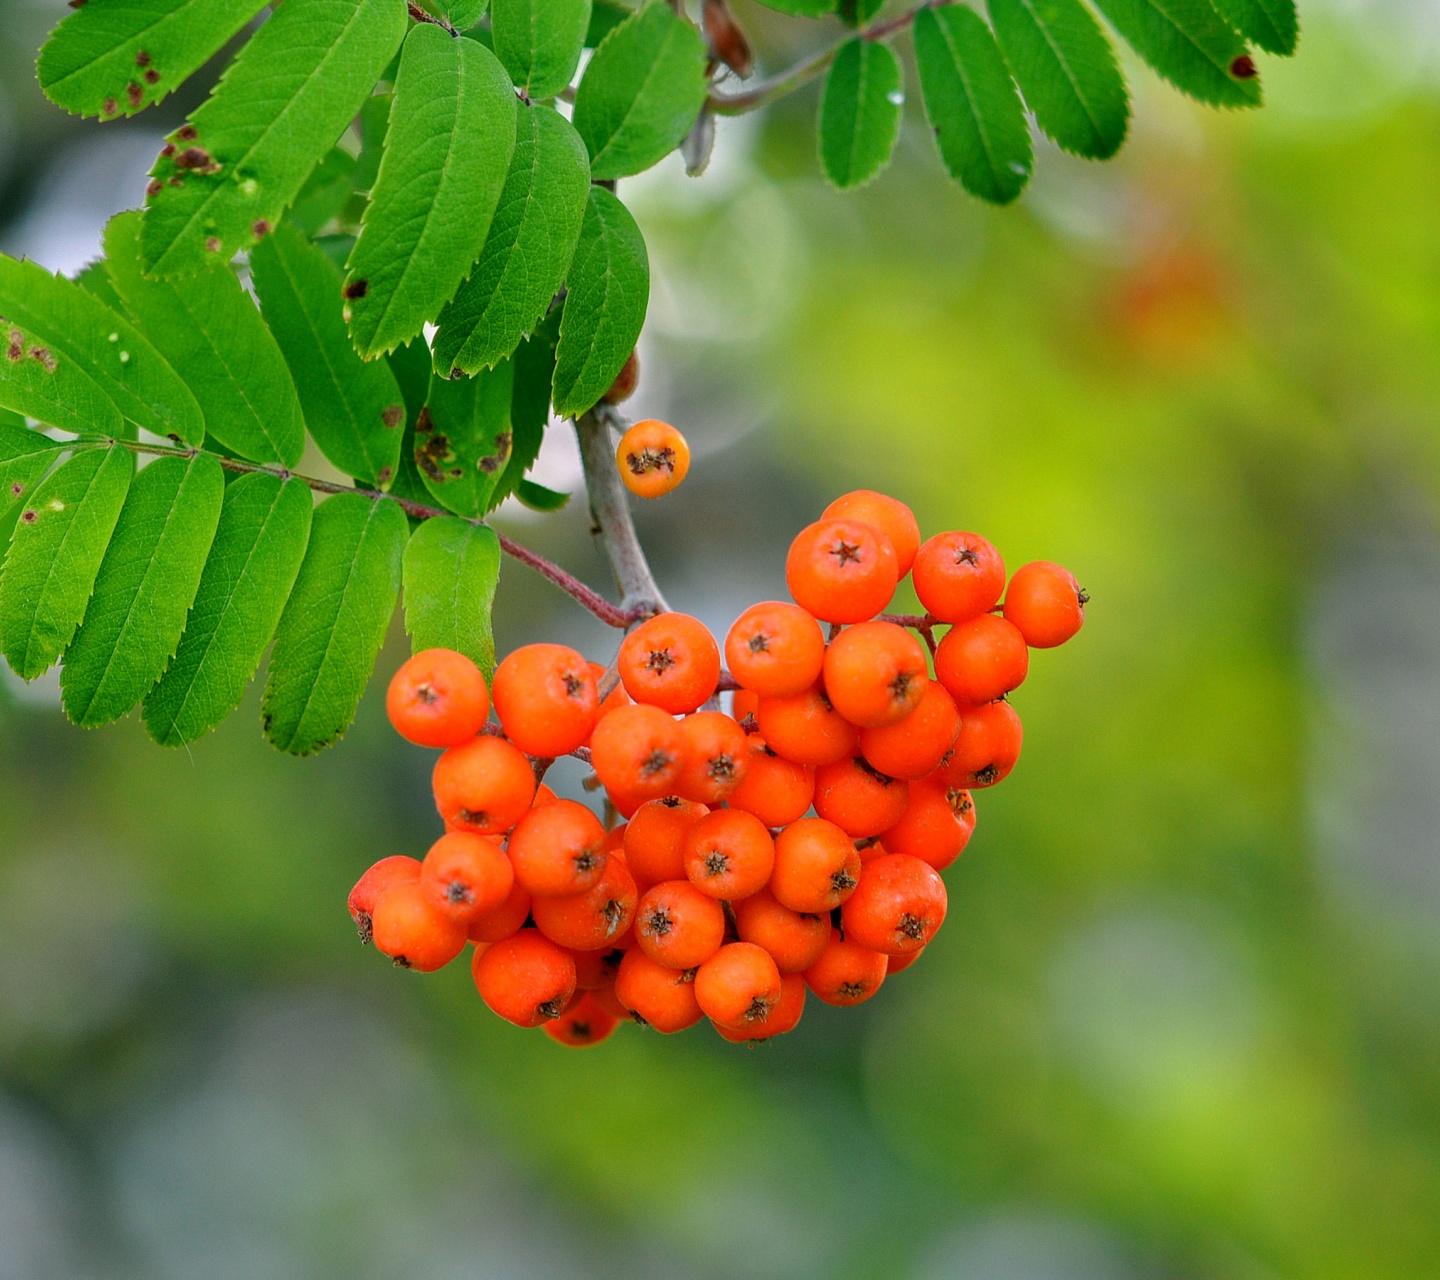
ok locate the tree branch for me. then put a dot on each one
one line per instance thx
(421, 15)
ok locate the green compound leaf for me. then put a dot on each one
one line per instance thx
(528, 251)
(608, 291)
(54, 555)
(451, 570)
(461, 14)
(334, 622)
(860, 109)
(254, 558)
(971, 103)
(208, 329)
(326, 192)
(230, 173)
(79, 335)
(534, 362)
(116, 57)
(464, 437)
(605, 16)
(95, 278)
(641, 92)
(1189, 44)
(353, 409)
(1273, 25)
(538, 498)
(452, 129)
(411, 366)
(25, 456)
(1067, 71)
(143, 591)
(539, 41)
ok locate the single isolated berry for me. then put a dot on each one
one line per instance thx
(465, 875)
(671, 662)
(958, 576)
(717, 757)
(406, 927)
(897, 908)
(558, 849)
(654, 839)
(1046, 603)
(986, 748)
(679, 926)
(373, 883)
(775, 790)
(738, 986)
(438, 699)
(484, 786)
(875, 674)
(653, 458)
(981, 660)
(842, 570)
(547, 700)
(525, 978)
(775, 649)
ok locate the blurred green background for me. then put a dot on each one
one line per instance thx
(1184, 1020)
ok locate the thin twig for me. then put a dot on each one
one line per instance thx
(422, 15)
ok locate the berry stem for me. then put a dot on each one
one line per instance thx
(420, 15)
(924, 623)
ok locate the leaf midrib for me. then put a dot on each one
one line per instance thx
(172, 15)
(970, 101)
(1070, 78)
(639, 93)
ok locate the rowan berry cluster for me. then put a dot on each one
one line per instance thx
(793, 844)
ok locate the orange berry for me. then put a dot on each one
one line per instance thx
(484, 786)
(596, 969)
(841, 570)
(859, 799)
(774, 789)
(775, 649)
(738, 985)
(717, 754)
(558, 849)
(794, 939)
(1045, 603)
(594, 920)
(617, 697)
(678, 926)
(464, 875)
(543, 795)
(958, 576)
(653, 458)
(891, 516)
(606, 999)
(655, 838)
(408, 929)
(816, 866)
(373, 883)
(806, 728)
(846, 972)
(875, 674)
(784, 1016)
(729, 854)
(500, 922)
(981, 660)
(584, 1023)
(525, 978)
(937, 824)
(546, 699)
(913, 747)
(986, 748)
(898, 964)
(745, 703)
(438, 699)
(661, 997)
(898, 907)
(637, 752)
(671, 662)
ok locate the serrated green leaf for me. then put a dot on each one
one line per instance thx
(860, 108)
(55, 554)
(641, 91)
(607, 292)
(464, 437)
(116, 57)
(538, 498)
(461, 14)
(25, 456)
(144, 589)
(452, 129)
(374, 124)
(353, 409)
(1189, 44)
(451, 570)
(528, 251)
(246, 152)
(79, 334)
(254, 559)
(539, 41)
(411, 367)
(1067, 71)
(1272, 25)
(605, 16)
(534, 362)
(94, 278)
(207, 328)
(334, 621)
(971, 103)
(802, 8)
(326, 192)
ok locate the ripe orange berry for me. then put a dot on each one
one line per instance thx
(981, 660)
(596, 969)
(774, 789)
(584, 1023)
(775, 649)
(546, 699)
(898, 964)
(841, 570)
(987, 747)
(595, 919)
(525, 978)
(729, 854)
(937, 824)
(784, 1016)
(806, 728)
(898, 907)
(859, 799)
(678, 926)
(464, 875)
(958, 576)
(653, 458)
(746, 703)
(543, 795)
(438, 699)
(617, 697)
(484, 786)
(914, 746)
(891, 516)
(606, 999)
(794, 939)
(717, 754)
(661, 997)
(738, 985)
(1046, 603)
(411, 932)
(500, 922)
(671, 662)
(558, 849)
(655, 838)
(373, 883)
(637, 752)
(875, 674)
(846, 972)
(816, 866)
